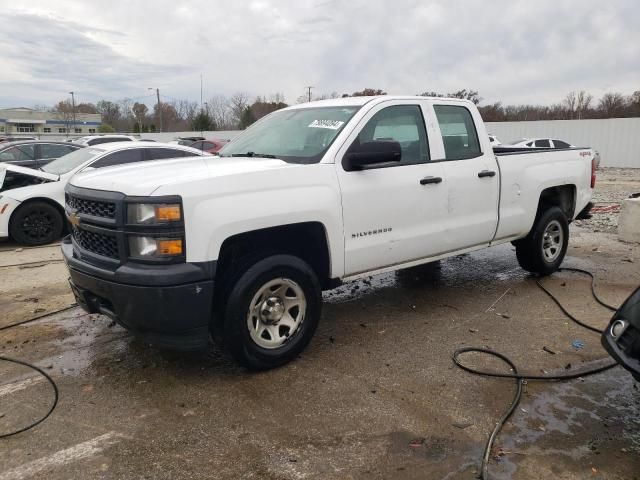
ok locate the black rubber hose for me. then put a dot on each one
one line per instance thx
(55, 396)
(520, 378)
(29, 320)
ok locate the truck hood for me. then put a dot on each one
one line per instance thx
(144, 178)
(13, 176)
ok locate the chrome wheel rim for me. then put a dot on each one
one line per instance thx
(552, 241)
(276, 312)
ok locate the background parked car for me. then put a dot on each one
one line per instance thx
(32, 201)
(34, 153)
(540, 143)
(14, 139)
(211, 146)
(99, 139)
(187, 141)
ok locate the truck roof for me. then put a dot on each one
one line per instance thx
(359, 101)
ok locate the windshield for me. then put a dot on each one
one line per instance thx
(297, 136)
(68, 162)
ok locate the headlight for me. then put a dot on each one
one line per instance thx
(153, 213)
(155, 247)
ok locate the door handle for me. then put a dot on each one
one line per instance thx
(428, 180)
(486, 173)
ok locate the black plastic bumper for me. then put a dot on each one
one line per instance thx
(172, 315)
(619, 355)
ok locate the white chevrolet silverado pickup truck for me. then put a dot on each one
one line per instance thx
(239, 247)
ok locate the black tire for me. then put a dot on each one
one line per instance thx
(236, 334)
(36, 223)
(530, 250)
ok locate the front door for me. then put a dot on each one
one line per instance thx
(392, 212)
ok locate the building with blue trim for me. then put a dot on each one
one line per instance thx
(27, 120)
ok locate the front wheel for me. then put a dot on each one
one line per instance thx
(272, 312)
(36, 223)
(543, 250)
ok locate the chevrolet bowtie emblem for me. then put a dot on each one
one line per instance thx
(74, 219)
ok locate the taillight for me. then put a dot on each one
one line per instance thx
(593, 173)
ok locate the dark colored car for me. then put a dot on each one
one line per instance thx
(186, 141)
(621, 339)
(34, 153)
(4, 139)
(211, 146)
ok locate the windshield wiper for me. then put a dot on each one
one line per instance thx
(252, 154)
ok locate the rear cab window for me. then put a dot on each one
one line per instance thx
(160, 153)
(459, 134)
(119, 158)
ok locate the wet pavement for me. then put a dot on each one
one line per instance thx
(375, 396)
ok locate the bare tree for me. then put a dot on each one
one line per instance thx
(238, 102)
(583, 103)
(570, 102)
(219, 109)
(63, 110)
(110, 112)
(139, 113)
(127, 115)
(612, 105)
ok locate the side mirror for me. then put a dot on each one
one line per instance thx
(621, 339)
(361, 155)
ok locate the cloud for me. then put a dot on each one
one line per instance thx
(515, 51)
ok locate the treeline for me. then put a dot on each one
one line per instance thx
(217, 113)
(574, 106)
(238, 111)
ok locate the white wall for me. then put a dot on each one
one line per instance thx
(617, 139)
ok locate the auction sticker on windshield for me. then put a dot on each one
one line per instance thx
(330, 124)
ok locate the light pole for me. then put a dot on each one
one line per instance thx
(159, 110)
(73, 107)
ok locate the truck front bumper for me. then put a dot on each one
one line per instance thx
(174, 314)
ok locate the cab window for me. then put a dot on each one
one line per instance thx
(119, 158)
(403, 124)
(459, 134)
(160, 153)
(543, 144)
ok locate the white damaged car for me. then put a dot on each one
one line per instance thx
(32, 201)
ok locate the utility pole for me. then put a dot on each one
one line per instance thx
(159, 108)
(309, 91)
(73, 107)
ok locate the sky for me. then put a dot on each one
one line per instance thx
(509, 50)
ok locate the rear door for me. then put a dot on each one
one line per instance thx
(471, 171)
(392, 213)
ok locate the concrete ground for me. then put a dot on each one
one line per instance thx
(375, 396)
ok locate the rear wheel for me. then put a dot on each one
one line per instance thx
(36, 223)
(543, 250)
(272, 312)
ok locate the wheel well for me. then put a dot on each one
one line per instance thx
(563, 196)
(306, 240)
(54, 204)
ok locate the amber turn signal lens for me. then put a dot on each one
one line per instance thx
(168, 213)
(170, 247)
